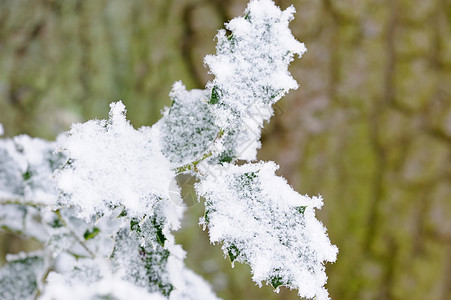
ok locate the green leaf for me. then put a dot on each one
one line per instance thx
(90, 234)
(133, 257)
(122, 214)
(160, 236)
(301, 209)
(250, 175)
(214, 99)
(276, 281)
(156, 260)
(233, 253)
(206, 217)
(226, 156)
(27, 175)
(134, 225)
(248, 178)
(226, 159)
(56, 223)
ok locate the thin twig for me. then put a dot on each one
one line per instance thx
(22, 201)
(74, 235)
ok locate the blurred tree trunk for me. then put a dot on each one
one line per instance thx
(65, 61)
(369, 129)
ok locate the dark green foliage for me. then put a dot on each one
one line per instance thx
(90, 234)
(215, 93)
(250, 175)
(56, 223)
(159, 232)
(276, 281)
(145, 265)
(206, 217)
(146, 227)
(155, 261)
(27, 175)
(122, 214)
(225, 157)
(247, 180)
(301, 209)
(134, 225)
(233, 253)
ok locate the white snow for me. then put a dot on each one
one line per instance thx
(112, 287)
(250, 66)
(251, 72)
(26, 170)
(113, 164)
(265, 223)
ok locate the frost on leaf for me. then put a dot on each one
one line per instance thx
(251, 69)
(261, 220)
(251, 74)
(26, 166)
(142, 263)
(146, 256)
(188, 128)
(26, 184)
(19, 277)
(111, 164)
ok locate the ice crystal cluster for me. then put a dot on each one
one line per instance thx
(102, 201)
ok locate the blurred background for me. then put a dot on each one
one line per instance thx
(369, 128)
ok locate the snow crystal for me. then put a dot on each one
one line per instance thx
(112, 164)
(262, 221)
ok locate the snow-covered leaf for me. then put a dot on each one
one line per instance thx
(251, 72)
(262, 221)
(187, 129)
(26, 167)
(111, 164)
(19, 277)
